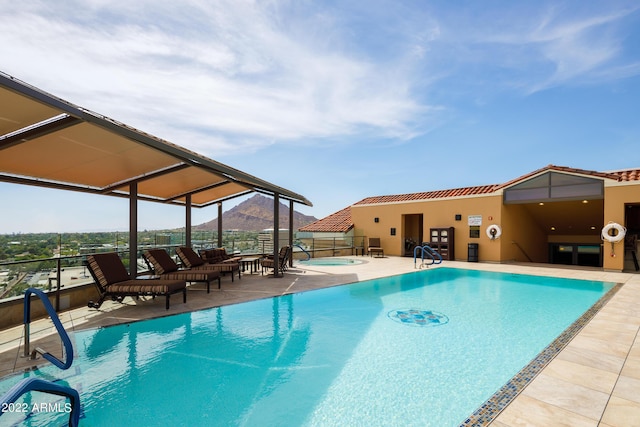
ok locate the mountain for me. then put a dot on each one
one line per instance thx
(256, 214)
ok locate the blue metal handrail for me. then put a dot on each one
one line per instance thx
(303, 250)
(426, 249)
(68, 347)
(433, 253)
(37, 384)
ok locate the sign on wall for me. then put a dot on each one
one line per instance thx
(475, 220)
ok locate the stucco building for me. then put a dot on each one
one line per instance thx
(552, 215)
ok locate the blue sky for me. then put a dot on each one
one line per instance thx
(335, 100)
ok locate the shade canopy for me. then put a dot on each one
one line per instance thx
(49, 142)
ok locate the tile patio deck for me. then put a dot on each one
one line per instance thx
(593, 381)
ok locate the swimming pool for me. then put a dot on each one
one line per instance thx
(425, 348)
(331, 262)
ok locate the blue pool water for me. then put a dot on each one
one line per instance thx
(423, 349)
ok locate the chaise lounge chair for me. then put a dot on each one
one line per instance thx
(374, 247)
(283, 259)
(218, 255)
(192, 260)
(112, 280)
(166, 268)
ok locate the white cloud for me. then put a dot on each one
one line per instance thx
(533, 48)
(209, 74)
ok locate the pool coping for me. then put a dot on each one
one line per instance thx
(492, 407)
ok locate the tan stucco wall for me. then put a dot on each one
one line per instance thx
(436, 214)
(521, 235)
(615, 198)
(517, 226)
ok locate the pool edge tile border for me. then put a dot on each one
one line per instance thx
(492, 407)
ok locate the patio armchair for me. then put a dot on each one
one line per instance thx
(160, 261)
(283, 260)
(374, 247)
(112, 280)
(193, 261)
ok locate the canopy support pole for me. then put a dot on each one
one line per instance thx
(133, 230)
(219, 225)
(276, 234)
(187, 221)
(291, 231)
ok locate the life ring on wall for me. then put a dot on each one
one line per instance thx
(613, 238)
(494, 231)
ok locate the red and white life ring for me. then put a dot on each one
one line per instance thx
(494, 231)
(617, 236)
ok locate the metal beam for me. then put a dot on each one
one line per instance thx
(133, 230)
(140, 178)
(219, 225)
(198, 190)
(276, 234)
(187, 222)
(37, 130)
(291, 211)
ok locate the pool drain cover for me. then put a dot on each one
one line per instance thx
(416, 317)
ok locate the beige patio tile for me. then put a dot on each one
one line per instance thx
(631, 367)
(628, 388)
(608, 331)
(529, 412)
(593, 359)
(593, 378)
(566, 395)
(600, 346)
(622, 413)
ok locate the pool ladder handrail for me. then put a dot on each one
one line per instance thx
(44, 386)
(303, 250)
(430, 252)
(66, 341)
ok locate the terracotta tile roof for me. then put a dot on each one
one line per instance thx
(338, 222)
(438, 194)
(627, 175)
(341, 220)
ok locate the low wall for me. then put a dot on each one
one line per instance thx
(12, 310)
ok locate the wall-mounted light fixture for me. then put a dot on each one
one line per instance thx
(376, 219)
(458, 217)
(393, 231)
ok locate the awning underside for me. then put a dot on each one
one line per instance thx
(50, 143)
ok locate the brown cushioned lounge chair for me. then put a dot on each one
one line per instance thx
(166, 268)
(283, 258)
(217, 255)
(112, 279)
(374, 247)
(192, 260)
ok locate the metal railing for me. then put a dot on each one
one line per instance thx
(44, 386)
(66, 341)
(56, 273)
(332, 246)
(36, 384)
(522, 250)
(432, 255)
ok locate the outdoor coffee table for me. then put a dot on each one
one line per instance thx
(251, 262)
